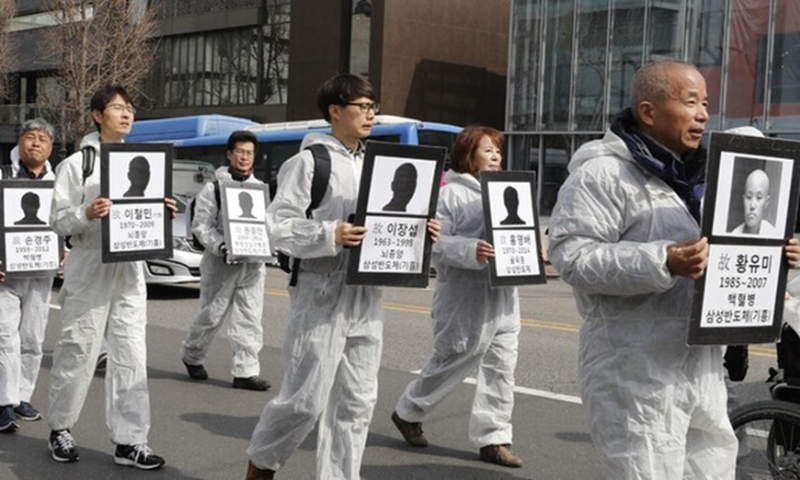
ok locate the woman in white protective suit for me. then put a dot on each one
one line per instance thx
(475, 325)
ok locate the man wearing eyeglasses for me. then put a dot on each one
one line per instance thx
(228, 292)
(333, 343)
(98, 298)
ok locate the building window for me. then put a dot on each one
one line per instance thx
(785, 82)
(246, 66)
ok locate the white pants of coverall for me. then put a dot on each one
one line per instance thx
(232, 293)
(331, 358)
(492, 346)
(97, 298)
(24, 308)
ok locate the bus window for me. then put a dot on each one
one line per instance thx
(273, 155)
(438, 139)
(213, 154)
(385, 138)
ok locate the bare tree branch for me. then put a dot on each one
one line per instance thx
(96, 43)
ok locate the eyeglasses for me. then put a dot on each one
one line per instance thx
(366, 106)
(244, 153)
(119, 108)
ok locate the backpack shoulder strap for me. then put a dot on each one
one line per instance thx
(88, 162)
(217, 194)
(319, 185)
(321, 177)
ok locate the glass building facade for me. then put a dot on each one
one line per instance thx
(571, 64)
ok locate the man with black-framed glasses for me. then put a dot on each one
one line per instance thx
(333, 344)
(99, 299)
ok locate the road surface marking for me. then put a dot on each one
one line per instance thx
(529, 391)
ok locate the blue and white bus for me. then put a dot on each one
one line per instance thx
(279, 141)
(182, 128)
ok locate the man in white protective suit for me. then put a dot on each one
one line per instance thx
(99, 297)
(332, 350)
(624, 234)
(228, 292)
(24, 302)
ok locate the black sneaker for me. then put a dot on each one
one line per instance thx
(252, 383)
(8, 421)
(138, 456)
(196, 372)
(63, 446)
(25, 411)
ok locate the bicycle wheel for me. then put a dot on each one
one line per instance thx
(769, 440)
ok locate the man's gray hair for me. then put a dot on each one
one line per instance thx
(651, 83)
(39, 124)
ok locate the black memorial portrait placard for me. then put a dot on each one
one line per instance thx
(511, 222)
(28, 246)
(136, 177)
(749, 211)
(398, 194)
(244, 212)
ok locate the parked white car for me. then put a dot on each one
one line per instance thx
(188, 177)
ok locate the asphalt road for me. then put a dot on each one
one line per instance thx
(203, 429)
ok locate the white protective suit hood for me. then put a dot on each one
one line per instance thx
(48, 167)
(642, 386)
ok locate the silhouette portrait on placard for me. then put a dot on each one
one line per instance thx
(511, 201)
(403, 187)
(139, 176)
(246, 204)
(30, 204)
(755, 201)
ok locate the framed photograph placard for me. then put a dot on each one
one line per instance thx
(244, 213)
(511, 222)
(136, 177)
(28, 246)
(749, 211)
(398, 194)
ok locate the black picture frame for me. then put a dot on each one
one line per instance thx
(522, 223)
(231, 223)
(146, 209)
(746, 272)
(30, 239)
(372, 210)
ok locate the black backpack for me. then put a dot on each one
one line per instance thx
(195, 242)
(319, 185)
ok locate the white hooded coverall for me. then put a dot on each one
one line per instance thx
(332, 350)
(474, 324)
(97, 298)
(24, 309)
(656, 407)
(227, 292)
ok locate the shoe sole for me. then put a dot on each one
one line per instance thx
(241, 387)
(10, 428)
(61, 459)
(28, 419)
(130, 463)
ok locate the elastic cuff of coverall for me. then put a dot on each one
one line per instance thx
(666, 279)
(80, 216)
(329, 227)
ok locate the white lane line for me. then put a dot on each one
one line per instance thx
(55, 307)
(530, 391)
